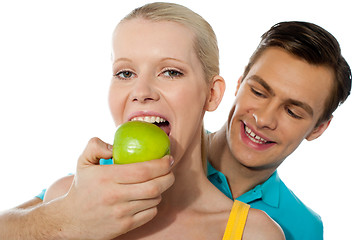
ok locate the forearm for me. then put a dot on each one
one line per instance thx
(34, 222)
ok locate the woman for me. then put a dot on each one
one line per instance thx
(165, 64)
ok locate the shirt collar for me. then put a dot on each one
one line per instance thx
(269, 191)
(211, 170)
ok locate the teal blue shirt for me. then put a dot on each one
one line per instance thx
(41, 195)
(273, 197)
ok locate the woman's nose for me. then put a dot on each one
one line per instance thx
(144, 91)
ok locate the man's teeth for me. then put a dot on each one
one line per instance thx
(150, 119)
(255, 138)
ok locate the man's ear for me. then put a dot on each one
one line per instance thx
(238, 85)
(217, 88)
(318, 131)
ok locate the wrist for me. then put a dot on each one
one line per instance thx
(58, 220)
(47, 221)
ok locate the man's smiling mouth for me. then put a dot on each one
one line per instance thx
(254, 137)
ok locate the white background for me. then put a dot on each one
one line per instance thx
(55, 71)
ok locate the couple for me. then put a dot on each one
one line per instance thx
(165, 63)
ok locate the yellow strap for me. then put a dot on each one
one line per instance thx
(237, 221)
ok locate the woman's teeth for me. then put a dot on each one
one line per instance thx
(253, 137)
(160, 122)
(150, 119)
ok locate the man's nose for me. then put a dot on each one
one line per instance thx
(265, 117)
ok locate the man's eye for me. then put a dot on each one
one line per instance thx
(172, 73)
(257, 93)
(124, 74)
(292, 114)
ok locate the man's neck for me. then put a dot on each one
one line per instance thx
(240, 178)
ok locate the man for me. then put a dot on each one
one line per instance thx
(294, 81)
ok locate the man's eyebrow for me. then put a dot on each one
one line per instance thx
(260, 80)
(294, 102)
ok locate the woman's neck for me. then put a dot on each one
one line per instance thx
(189, 180)
(191, 187)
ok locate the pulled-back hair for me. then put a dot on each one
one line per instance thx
(205, 41)
(316, 46)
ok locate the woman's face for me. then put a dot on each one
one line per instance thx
(158, 77)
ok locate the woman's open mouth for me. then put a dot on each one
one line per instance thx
(156, 120)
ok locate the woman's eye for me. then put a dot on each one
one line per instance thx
(124, 74)
(172, 73)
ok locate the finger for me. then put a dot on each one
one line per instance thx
(139, 172)
(143, 217)
(95, 150)
(148, 190)
(125, 193)
(131, 222)
(133, 207)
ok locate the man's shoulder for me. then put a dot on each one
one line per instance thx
(296, 209)
(288, 197)
(297, 220)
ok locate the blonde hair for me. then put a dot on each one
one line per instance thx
(205, 42)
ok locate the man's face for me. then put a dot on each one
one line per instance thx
(277, 105)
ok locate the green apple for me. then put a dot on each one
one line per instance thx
(138, 141)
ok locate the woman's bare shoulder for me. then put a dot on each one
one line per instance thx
(58, 188)
(260, 226)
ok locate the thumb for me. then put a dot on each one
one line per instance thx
(95, 150)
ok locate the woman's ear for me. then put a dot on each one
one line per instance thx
(217, 88)
(318, 131)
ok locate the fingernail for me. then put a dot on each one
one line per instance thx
(110, 147)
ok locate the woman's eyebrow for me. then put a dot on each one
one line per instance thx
(172, 59)
(122, 60)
